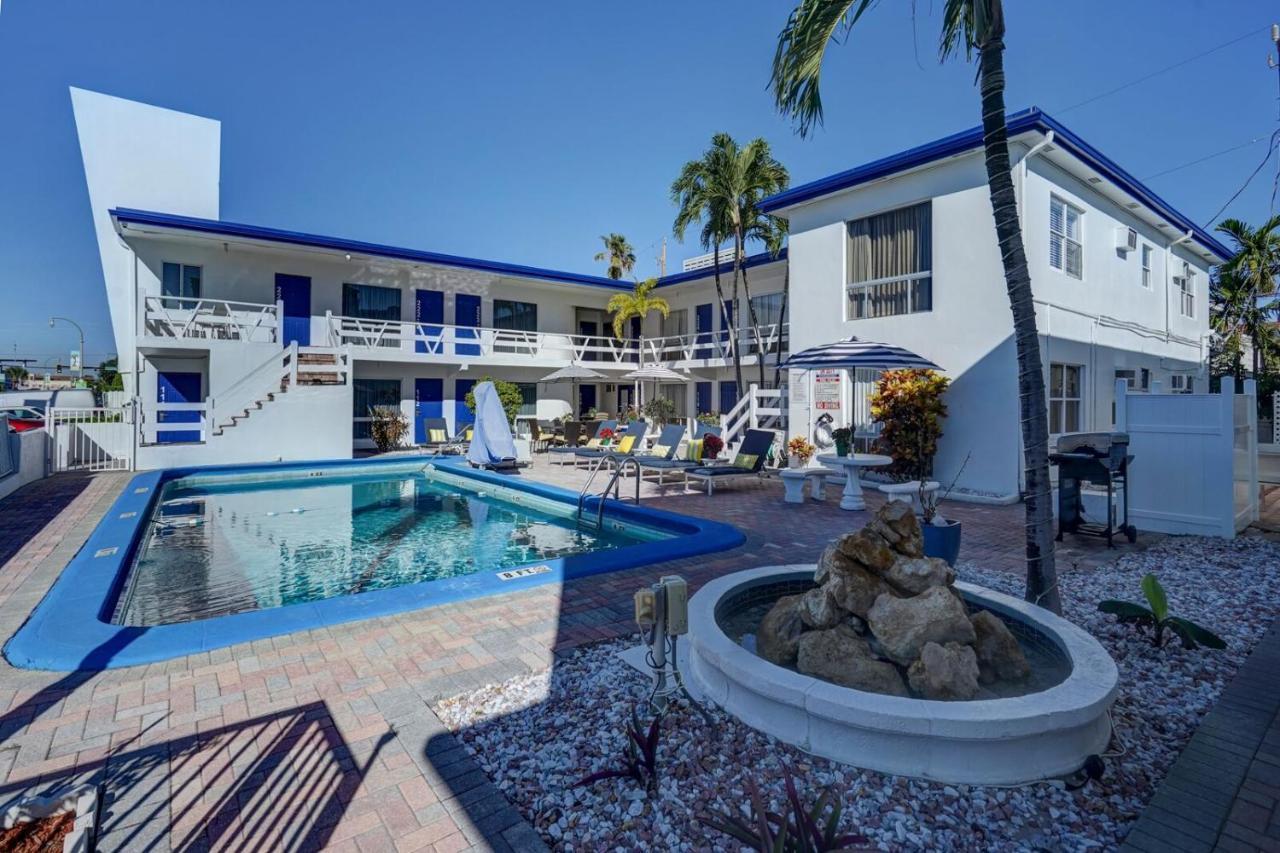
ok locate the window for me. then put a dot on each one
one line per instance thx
(529, 399)
(1066, 248)
(676, 394)
(1186, 287)
(768, 308)
(180, 280)
(1135, 379)
(1065, 398)
(372, 394)
(676, 324)
(1146, 266)
(891, 263)
(509, 314)
(370, 302)
(1182, 383)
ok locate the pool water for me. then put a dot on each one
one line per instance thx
(216, 548)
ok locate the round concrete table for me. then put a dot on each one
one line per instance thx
(851, 499)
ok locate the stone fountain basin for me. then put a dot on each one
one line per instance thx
(984, 741)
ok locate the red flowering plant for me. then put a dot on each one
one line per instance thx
(909, 406)
(712, 444)
(605, 435)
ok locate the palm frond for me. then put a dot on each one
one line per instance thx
(802, 45)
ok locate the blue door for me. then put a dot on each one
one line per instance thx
(174, 386)
(428, 308)
(466, 313)
(588, 329)
(702, 396)
(295, 292)
(461, 414)
(728, 396)
(586, 399)
(702, 325)
(428, 402)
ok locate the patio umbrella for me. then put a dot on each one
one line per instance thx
(653, 373)
(855, 353)
(574, 373)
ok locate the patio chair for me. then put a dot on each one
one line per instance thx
(565, 455)
(570, 433)
(435, 432)
(661, 458)
(749, 461)
(458, 444)
(540, 435)
(625, 444)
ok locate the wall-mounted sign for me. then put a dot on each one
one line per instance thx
(826, 390)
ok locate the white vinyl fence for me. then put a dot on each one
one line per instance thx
(97, 439)
(1195, 468)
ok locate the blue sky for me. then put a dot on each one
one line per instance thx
(523, 131)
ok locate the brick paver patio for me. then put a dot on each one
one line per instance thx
(325, 738)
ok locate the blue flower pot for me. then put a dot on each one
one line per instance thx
(942, 542)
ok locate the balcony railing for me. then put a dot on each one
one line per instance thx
(210, 319)
(466, 342)
(887, 297)
(700, 346)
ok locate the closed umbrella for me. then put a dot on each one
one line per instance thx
(653, 373)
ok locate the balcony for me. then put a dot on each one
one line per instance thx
(185, 318)
(713, 349)
(891, 296)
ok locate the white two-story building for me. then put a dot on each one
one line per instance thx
(305, 333)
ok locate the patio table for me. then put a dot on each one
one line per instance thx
(851, 498)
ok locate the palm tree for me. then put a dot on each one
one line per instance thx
(723, 190)
(618, 254)
(1243, 280)
(638, 303)
(1237, 317)
(15, 373)
(967, 26)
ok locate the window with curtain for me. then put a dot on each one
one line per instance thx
(891, 263)
(675, 392)
(510, 314)
(768, 308)
(1065, 396)
(180, 280)
(528, 398)
(1182, 383)
(369, 394)
(1186, 285)
(676, 324)
(1066, 246)
(370, 302)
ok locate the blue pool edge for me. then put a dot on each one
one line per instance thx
(69, 629)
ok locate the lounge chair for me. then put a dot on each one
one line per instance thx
(458, 444)
(625, 444)
(749, 461)
(571, 432)
(565, 455)
(435, 432)
(662, 456)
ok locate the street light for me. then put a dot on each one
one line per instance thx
(80, 370)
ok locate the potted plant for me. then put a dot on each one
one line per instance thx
(606, 436)
(941, 535)
(799, 451)
(712, 444)
(843, 438)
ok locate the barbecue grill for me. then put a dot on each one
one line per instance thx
(1099, 458)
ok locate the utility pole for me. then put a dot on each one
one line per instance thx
(662, 259)
(1274, 63)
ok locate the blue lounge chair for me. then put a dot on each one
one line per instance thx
(749, 461)
(435, 434)
(621, 446)
(662, 456)
(565, 455)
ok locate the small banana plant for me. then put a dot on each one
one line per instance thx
(640, 761)
(798, 829)
(1156, 615)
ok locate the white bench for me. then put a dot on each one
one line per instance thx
(908, 492)
(793, 484)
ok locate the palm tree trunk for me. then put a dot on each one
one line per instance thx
(751, 308)
(782, 319)
(1042, 579)
(735, 319)
(715, 266)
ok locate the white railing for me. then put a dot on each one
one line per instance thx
(737, 420)
(466, 342)
(254, 386)
(97, 439)
(700, 346)
(890, 296)
(210, 319)
(198, 425)
(759, 408)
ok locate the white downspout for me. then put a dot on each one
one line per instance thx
(1022, 194)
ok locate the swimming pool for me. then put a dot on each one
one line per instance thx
(189, 560)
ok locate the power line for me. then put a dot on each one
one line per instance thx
(1199, 160)
(1144, 78)
(1271, 149)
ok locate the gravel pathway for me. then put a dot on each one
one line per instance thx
(536, 736)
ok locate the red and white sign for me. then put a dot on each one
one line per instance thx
(826, 390)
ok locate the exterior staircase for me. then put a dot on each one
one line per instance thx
(292, 367)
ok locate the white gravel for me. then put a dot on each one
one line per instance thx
(536, 736)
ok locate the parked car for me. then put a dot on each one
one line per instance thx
(63, 398)
(22, 418)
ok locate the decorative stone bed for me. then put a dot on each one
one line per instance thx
(992, 741)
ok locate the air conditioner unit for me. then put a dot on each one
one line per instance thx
(1126, 239)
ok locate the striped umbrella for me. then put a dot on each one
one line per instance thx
(855, 353)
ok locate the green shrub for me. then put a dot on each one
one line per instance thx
(1156, 615)
(508, 394)
(388, 427)
(908, 404)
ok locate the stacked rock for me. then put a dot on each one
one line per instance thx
(887, 619)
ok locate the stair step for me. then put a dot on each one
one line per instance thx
(319, 379)
(316, 358)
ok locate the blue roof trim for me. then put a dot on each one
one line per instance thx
(1032, 119)
(299, 238)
